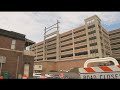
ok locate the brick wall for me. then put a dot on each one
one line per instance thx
(63, 65)
(5, 42)
(11, 62)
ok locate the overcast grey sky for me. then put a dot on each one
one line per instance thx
(32, 24)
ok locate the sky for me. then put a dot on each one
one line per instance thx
(32, 24)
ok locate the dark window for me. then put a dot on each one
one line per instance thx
(92, 38)
(81, 47)
(107, 53)
(80, 36)
(100, 32)
(40, 51)
(68, 55)
(40, 48)
(66, 40)
(66, 50)
(115, 38)
(52, 44)
(94, 51)
(101, 44)
(99, 27)
(33, 50)
(116, 48)
(81, 53)
(51, 48)
(80, 41)
(51, 58)
(93, 44)
(103, 51)
(79, 30)
(40, 44)
(66, 45)
(51, 40)
(40, 59)
(92, 32)
(51, 53)
(115, 43)
(66, 35)
(92, 26)
(39, 55)
(114, 33)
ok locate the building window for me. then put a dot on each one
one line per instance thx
(52, 44)
(92, 32)
(92, 26)
(39, 55)
(99, 26)
(115, 38)
(51, 48)
(66, 35)
(90, 21)
(94, 51)
(40, 51)
(93, 44)
(81, 53)
(80, 36)
(79, 31)
(66, 45)
(101, 44)
(40, 48)
(100, 37)
(114, 33)
(100, 32)
(51, 53)
(103, 51)
(115, 43)
(92, 38)
(39, 59)
(67, 50)
(107, 53)
(66, 40)
(51, 58)
(80, 41)
(68, 55)
(50, 40)
(116, 48)
(81, 47)
(13, 44)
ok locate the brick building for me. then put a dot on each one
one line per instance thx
(18, 60)
(75, 46)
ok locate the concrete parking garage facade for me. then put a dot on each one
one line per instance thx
(75, 46)
(115, 43)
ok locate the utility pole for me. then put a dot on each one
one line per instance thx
(57, 43)
(46, 35)
(17, 67)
